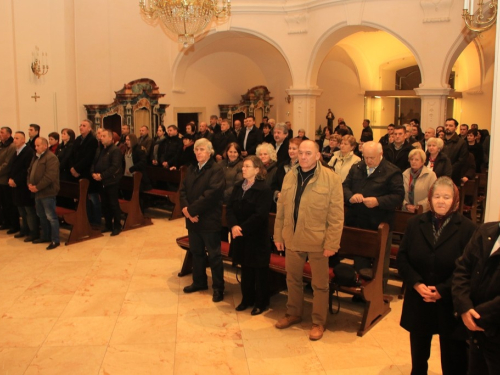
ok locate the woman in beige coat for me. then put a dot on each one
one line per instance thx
(417, 180)
(342, 160)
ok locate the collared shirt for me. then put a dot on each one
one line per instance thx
(278, 146)
(20, 149)
(496, 246)
(200, 166)
(247, 131)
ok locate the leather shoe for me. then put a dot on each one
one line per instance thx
(19, 235)
(218, 296)
(13, 230)
(115, 232)
(241, 307)
(287, 321)
(193, 288)
(258, 310)
(316, 332)
(41, 240)
(52, 245)
(30, 239)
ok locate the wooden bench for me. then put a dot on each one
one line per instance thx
(354, 242)
(159, 174)
(81, 229)
(135, 218)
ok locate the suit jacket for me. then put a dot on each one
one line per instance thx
(385, 184)
(83, 154)
(254, 139)
(7, 151)
(108, 162)
(19, 173)
(421, 259)
(282, 153)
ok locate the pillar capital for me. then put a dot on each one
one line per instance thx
(432, 91)
(433, 105)
(306, 91)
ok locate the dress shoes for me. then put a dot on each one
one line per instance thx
(316, 332)
(218, 296)
(115, 232)
(30, 239)
(41, 240)
(241, 307)
(258, 310)
(52, 245)
(19, 235)
(193, 288)
(287, 321)
(13, 230)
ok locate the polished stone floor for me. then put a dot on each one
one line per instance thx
(115, 305)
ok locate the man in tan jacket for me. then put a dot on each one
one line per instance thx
(309, 223)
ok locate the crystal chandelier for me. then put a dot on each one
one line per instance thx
(185, 17)
(478, 21)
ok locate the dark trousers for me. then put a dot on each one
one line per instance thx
(111, 206)
(255, 286)
(453, 354)
(198, 242)
(30, 222)
(484, 355)
(10, 212)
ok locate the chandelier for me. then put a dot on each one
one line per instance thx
(478, 21)
(185, 17)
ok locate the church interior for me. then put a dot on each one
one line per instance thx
(114, 305)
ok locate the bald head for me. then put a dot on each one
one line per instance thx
(308, 155)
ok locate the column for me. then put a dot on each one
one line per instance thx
(492, 197)
(304, 110)
(433, 106)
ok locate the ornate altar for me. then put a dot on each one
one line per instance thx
(136, 105)
(254, 103)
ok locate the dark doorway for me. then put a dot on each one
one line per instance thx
(113, 123)
(239, 116)
(184, 118)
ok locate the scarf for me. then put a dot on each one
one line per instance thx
(411, 185)
(246, 186)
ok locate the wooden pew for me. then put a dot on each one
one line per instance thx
(135, 218)
(354, 242)
(81, 229)
(469, 189)
(157, 174)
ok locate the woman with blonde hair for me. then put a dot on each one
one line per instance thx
(267, 154)
(437, 161)
(417, 180)
(342, 160)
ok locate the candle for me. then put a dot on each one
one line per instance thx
(471, 11)
(466, 4)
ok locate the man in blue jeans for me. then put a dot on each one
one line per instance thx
(43, 181)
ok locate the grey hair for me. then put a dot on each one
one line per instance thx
(438, 141)
(281, 126)
(418, 151)
(270, 150)
(377, 145)
(203, 142)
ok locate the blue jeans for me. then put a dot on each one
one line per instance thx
(46, 211)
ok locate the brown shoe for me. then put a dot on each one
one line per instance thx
(287, 321)
(316, 332)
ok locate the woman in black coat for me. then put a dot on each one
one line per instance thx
(63, 153)
(432, 243)
(437, 161)
(248, 217)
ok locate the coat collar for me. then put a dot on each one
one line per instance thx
(449, 230)
(490, 236)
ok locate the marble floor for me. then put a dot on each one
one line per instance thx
(115, 305)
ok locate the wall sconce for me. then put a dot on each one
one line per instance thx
(476, 20)
(39, 66)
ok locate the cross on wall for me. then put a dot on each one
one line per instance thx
(35, 97)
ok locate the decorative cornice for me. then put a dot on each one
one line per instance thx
(436, 10)
(305, 92)
(438, 91)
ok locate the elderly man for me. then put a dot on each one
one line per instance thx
(201, 196)
(308, 225)
(43, 181)
(237, 128)
(204, 132)
(250, 138)
(429, 133)
(10, 216)
(373, 190)
(107, 170)
(281, 142)
(21, 196)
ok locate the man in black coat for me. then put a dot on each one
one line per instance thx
(33, 134)
(250, 137)
(107, 171)
(201, 196)
(456, 149)
(476, 297)
(84, 150)
(204, 132)
(173, 148)
(222, 139)
(281, 143)
(366, 132)
(373, 190)
(397, 152)
(10, 216)
(21, 196)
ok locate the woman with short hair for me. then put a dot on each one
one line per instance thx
(248, 218)
(267, 154)
(417, 180)
(232, 164)
(342, 160)
(63, 153)
(432, 243)
(437, 161)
